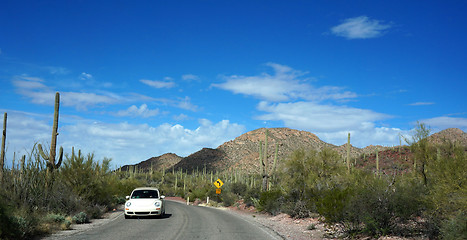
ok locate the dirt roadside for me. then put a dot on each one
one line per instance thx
(77, 228)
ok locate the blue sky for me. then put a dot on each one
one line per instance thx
(143, 78)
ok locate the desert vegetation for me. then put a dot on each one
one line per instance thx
(43, 192)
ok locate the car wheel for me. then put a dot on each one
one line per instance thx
(127, 217)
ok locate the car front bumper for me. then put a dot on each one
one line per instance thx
(143, 212)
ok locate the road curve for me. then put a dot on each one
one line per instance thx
(181, 222)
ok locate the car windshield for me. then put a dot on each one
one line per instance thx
(145, 194)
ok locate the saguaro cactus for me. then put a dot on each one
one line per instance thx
(264, 163)
(2, 156)
(51, 163)
(377, 163)
(348, 153)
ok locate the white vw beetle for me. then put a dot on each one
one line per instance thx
(144, 201)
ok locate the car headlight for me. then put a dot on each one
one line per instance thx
(128, 204)
(157, 204)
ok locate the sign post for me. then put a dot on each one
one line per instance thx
(218, 183)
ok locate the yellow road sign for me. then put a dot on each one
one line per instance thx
(218, 183)
(218, 191)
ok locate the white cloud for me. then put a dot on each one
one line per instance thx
(330, 122)
(284, 85)
(23, 131)
(185, 103)
(360, 28)
(441, 123)
(57, 70)
(313, 116)
(421, 103)
(159, 84)
(38, 93)
(366, 136)
(123, 142)
(142, 111)
(180, 117)
(85, 76)
(189, 77)
(24, 83)
(35, 89)
(84, 100)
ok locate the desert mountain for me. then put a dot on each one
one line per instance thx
(242, 153)
(164, 161)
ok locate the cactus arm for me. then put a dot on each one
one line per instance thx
(275, 159)
(2, 155)
(41, 152)
(60, 158)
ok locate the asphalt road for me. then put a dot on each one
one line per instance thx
(181, 222)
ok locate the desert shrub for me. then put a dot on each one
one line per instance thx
(308, 172)
(239, 188)
(199, 192)
(66, 225)
(9, 229)
(180, 193)
(380, 206)
(228, 198)
(126, 185)
(26, 224)
(455, 227)
(331, 203)
(314, 182)
(94, 210)
(81, 218)
(298, 209)
(447, 183)
(54, 222)
(211, 193)
(58, 218)
(271, 202)
(251, 196)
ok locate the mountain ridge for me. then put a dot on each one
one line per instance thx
(242, 153)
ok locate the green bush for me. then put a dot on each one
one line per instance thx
(298, 209)
(26, 225)
(228, 198)
(331, 203)
(251, 196)
(382, 205)
(95, 210)
(455, 228)
(271, 202)
(239, 188)
(57, 218)
(9, 229)
(81, 218)
(447, 184)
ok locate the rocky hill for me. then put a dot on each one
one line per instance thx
(454, 135)
(242, 153)
(165, 161)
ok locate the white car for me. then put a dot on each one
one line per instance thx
(144, 201)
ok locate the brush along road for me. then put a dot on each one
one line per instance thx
(181, 222)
